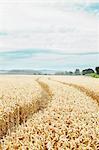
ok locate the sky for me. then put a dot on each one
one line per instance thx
(49, 34)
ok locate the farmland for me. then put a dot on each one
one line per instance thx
(49, 113)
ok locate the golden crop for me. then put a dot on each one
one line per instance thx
(69, 120)
(18, 99)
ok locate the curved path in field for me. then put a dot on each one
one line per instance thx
(46, 94)
(18, 115)
(70, 121)
(88, 92)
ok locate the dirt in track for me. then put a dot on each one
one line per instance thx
(69, 122)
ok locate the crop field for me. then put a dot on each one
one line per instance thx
(49, 113)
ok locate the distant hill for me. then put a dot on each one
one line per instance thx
(27, 72)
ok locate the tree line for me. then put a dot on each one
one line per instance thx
(78, 72)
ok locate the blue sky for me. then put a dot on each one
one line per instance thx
(39, 34)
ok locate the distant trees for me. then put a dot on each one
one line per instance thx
(77, 72)
(70, 73)
(64, 73)
(87, 71)
(97, 70)
(60, 73)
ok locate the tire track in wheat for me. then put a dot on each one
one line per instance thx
(11, 120)
(66, 123)
(46, 93)
(88, 92)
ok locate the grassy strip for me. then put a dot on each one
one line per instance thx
(94, 75)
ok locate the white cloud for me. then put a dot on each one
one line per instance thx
(43, 24)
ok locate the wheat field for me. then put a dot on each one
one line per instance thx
(49, 113)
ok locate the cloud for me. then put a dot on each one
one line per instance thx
(37, 30)
(54, 26)
(37, 59)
